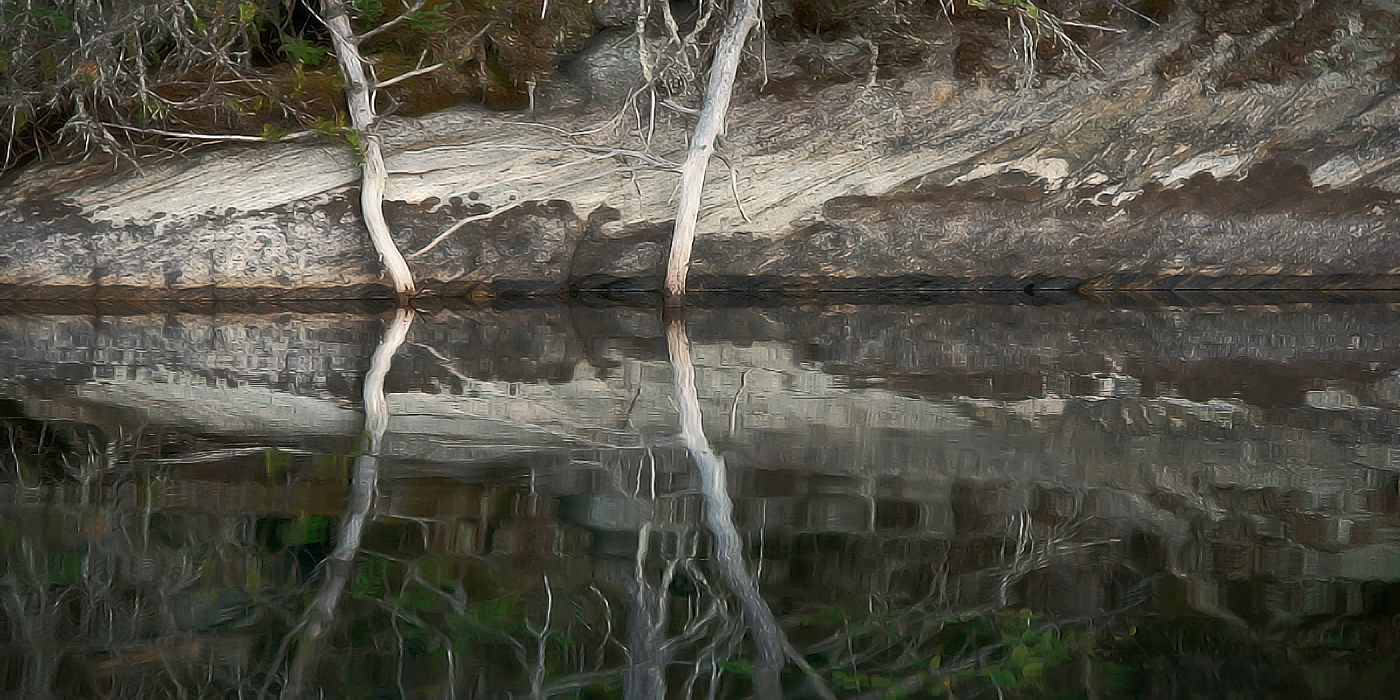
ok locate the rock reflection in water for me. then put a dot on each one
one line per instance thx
(971, 499)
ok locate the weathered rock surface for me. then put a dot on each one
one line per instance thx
(615, 13)
(1103, 179)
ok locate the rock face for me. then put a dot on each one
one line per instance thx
(616, 13)
(608, 70)
(1163, 164)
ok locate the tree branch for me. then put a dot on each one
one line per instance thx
(356, 40)
(208, 137)
(421, 71)
(411, 74)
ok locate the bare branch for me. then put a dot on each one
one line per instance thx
(734, 189)
(209, 137)
(411, 74)
(357, 39)
(436, 66)
(600, 150)
(674, 31)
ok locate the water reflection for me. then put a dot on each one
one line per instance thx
(320, 614)
(771, 647)
(580, 502)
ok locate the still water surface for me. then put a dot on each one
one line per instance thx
(965, 500)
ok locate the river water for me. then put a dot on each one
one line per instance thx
(978, 498)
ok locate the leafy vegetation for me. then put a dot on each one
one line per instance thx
(88, 72)
(903, 652)
(95, 73)
(105, 75)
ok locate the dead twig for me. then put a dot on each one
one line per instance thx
(734, 189)
(209, 137)
(362, 38)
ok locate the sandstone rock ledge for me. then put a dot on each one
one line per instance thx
(1114, 179)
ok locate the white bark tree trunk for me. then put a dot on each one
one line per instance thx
(771, 645)
(362, 116)
(708, 126)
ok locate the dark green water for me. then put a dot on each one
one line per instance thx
(967, 500)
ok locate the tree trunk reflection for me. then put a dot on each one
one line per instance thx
(320, 617)
(770, 642)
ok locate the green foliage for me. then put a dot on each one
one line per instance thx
(303, 52)
(369, 580)
(304, 530)
(369, 12)
(354, 140)
(43, 17)
(243, 65)
(65, 567)
(431, 20)
(71, 64)
(1025, 6)
(276, 462)
(337, 128)
(273, 133)
(738, 667)
(216, 66)
(859, 681)
(247, 13)
(1029, 648)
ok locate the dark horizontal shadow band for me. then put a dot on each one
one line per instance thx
(714, 290)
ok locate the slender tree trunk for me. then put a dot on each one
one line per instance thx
(374, 174)
(771, 644)
(709, 125)
(648, 619)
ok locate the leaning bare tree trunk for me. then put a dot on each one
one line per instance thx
(374, 175)
(710, 124)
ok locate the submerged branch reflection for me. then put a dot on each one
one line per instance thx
(534, 526)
